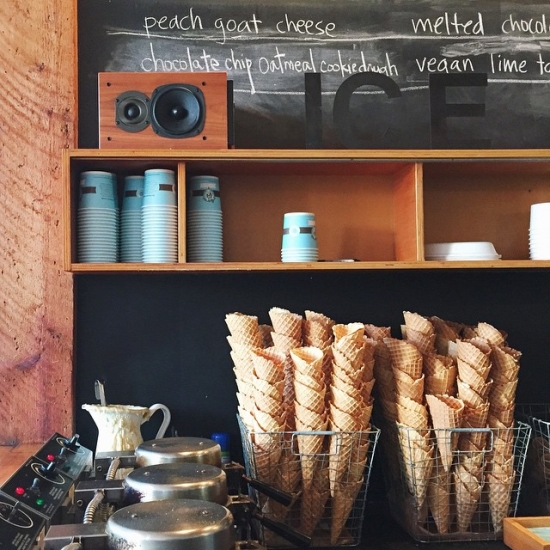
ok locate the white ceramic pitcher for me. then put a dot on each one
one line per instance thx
(120, 425)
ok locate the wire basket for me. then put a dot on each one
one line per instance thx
(326, 472)
(454, 484)
(537, 471)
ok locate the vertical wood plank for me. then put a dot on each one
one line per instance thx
(37, 120)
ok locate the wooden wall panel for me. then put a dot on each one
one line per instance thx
(37, 120)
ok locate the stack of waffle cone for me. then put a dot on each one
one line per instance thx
(419, 331)
(385, 382)
(439, 496)
(468, 484)
(310, 411)
(317, 332)
(286, 335)
(440, 374)
(501, 475)
(488, 332)
(268, 411)
(445, 332)
(446, 413)
(245, 336)
(405, 357)
(474, 367)
(377, 333)
(313, 500)
(350, 410)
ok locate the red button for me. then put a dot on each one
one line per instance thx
(51, 458)
(19, 491)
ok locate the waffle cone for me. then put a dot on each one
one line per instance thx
(316, 334)
(446, 413)
(445, 332)
(266, 464)
(309, 398)
(268, 423)
(309, 447)
(308, 360)
(377, 333)
(418, 323)
(425, 343)
(342, 505)
(288, 473)
(340, 449)
(349, 332)
(267, 404)
(476, 354)
(344, 401)
(268, 365)
(468, 395)
(417, 462)
(416, 418)
(500, 496)
(476, 417)
(505, 364)
(240, 351)
(316, 383)
(342, 421)
(312, 507)
(319, 318)
(354, 379)
(436, 364)
(488, 332)
(409, 387)
(439, 500)
(285, 322)
(309, 417)
(470, 376)
(244, 329)
(503, 393)
(405, 357)
(366, 389)
(348, 354)
(467, 502)
(274, 390)
(284, 343)
(346, 385)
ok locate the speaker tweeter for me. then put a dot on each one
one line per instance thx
(132, 111)
(177, 111)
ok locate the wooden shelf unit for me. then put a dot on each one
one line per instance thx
(378, 207)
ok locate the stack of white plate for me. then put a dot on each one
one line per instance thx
(539, 231)
(97, 218)
(159, 217)
(461, 251)
(204, 220)
(130, 219)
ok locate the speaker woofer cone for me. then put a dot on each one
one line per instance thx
(132, 111)
(178, 110)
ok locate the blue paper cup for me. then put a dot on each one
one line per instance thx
(299, 231)
(97, 190)
(204, 193)
(159, 187)
(132, 196)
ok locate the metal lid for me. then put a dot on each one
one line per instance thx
(178, 449)
(176, 481)
(168, 524)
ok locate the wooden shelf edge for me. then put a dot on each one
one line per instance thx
(413, 155)
(301, 266)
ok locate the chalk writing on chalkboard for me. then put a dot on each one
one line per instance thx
(268, 50)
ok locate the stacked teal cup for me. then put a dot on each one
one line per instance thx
(299, 238)
(130, 219)
(159, 217)
(97, 218)
(204, 220)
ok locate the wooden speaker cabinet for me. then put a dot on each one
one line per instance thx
(163, 110)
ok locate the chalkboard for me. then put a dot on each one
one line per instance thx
(269, 48)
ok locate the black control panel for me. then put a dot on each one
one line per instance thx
(31, 497)
(19, 526)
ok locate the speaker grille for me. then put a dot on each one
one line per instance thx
(178, 110)
(132, 111)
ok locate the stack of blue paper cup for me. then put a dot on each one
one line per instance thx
(204, 220)
(299, 238)
(130, 219)
(159, 217)
(97, 218)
